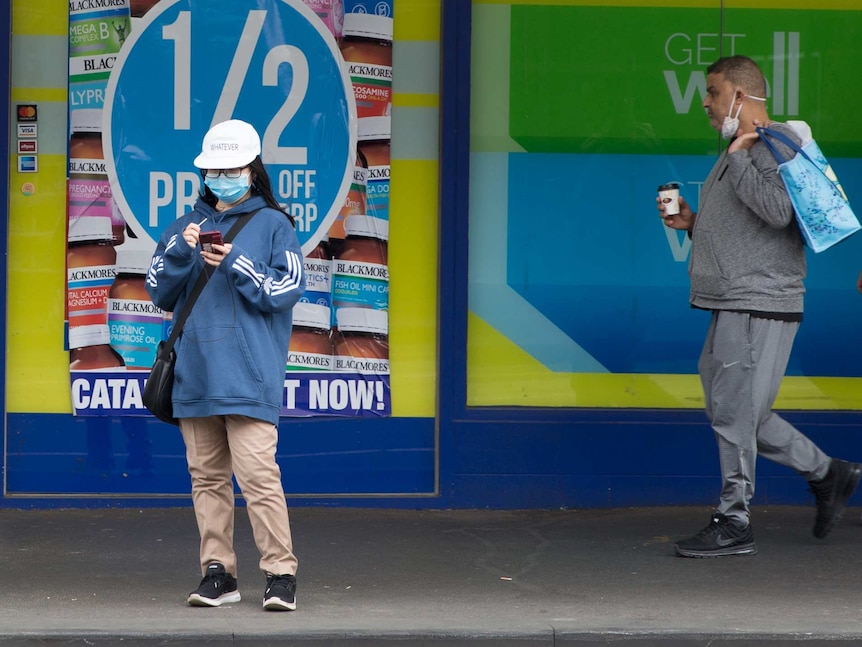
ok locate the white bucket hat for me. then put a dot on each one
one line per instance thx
(230, 144)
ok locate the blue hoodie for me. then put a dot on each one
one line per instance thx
(232, 351)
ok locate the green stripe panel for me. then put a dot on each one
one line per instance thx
(632, 80)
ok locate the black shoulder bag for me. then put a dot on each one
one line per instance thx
(159, 386)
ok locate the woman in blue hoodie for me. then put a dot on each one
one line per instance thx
(229, 375)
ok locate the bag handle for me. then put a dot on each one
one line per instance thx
(784, 139)
(203, 278)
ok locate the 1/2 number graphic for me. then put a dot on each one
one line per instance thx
(188, 65)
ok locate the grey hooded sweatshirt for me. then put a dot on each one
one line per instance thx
(746, 249)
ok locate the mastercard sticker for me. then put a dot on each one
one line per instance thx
(27, 112)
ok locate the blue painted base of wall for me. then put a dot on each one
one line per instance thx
(619, 458)
(61, 456)
(507, 459)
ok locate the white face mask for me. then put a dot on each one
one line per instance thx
(730, 125)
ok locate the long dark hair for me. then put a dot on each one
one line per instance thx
(260, 186)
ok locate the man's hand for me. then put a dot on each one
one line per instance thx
(859, 282)
(683, 220)
(744, 141)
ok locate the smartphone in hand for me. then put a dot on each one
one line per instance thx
(210, 238)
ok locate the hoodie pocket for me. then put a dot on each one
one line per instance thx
(217, 363)
(707, 276)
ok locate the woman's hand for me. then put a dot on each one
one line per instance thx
(191, 234)
(216, 256)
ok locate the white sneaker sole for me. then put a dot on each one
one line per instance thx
(277, 604)
(196, 600)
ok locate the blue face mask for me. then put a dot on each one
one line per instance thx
(227, 189)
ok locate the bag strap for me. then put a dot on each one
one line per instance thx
(203, 279)
(784, 139)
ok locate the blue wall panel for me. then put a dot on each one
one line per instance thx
(614, 458)
(61, 455)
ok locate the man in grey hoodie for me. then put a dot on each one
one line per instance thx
(747, 267)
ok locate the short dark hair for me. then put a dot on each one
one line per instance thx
(741, 71)
(261, 186)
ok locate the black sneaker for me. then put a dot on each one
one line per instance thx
(280, 593)
(721, 538)
(832, 493)
(217, 588)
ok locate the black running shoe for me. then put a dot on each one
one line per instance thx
(217, 588)
(832, 493)
(721, 538)
(280, 593)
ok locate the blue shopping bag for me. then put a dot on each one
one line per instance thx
(822, 209)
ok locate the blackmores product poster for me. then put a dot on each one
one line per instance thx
(146, 81)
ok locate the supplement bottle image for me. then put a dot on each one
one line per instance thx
(90, 269)
(361, 341)
(366, 46)
(318, 274)
(377, 155)
(90, 350)
(89, 190)
(360, 272)
(310, 344)
(140, 7)
(90, 263)
(134, 321)
(354, 203)
(331, 12)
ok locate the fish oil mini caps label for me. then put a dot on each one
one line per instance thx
(360, 274)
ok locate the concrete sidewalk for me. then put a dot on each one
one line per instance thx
(368, 577)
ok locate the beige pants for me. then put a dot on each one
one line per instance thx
(216, 448)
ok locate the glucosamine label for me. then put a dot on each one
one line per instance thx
(372, 88)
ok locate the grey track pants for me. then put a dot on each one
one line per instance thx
(741, 368)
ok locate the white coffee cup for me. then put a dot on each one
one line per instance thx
(669, 194)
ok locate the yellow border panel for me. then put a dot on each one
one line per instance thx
(413, 266)
(415, 100)
(502, 374)
(40, 17)
(416, 20)
(36, 290)
(39, 95)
